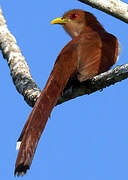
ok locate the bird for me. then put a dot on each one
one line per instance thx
(91, 51)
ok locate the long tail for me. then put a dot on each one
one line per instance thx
(62, 71)
(37, 122)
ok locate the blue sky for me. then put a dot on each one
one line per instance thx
(85, 138)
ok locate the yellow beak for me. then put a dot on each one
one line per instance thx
(59, 21)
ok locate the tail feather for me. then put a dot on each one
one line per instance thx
(18, 145)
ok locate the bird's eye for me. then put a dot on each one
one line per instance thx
(74, 16)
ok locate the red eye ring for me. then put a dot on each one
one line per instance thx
(74, 16)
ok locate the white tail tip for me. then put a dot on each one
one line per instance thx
(18, 145)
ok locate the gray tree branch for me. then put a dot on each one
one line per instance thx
(26, 86)
(115, 8)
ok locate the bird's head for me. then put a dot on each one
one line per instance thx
(77, 21)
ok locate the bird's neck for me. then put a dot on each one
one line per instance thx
(74, 30)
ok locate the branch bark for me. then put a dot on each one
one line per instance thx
(26, 86)
(97, 83)
(115, 8)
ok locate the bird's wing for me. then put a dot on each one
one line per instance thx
(98, 53)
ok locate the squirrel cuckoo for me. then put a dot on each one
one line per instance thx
(91, 51)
